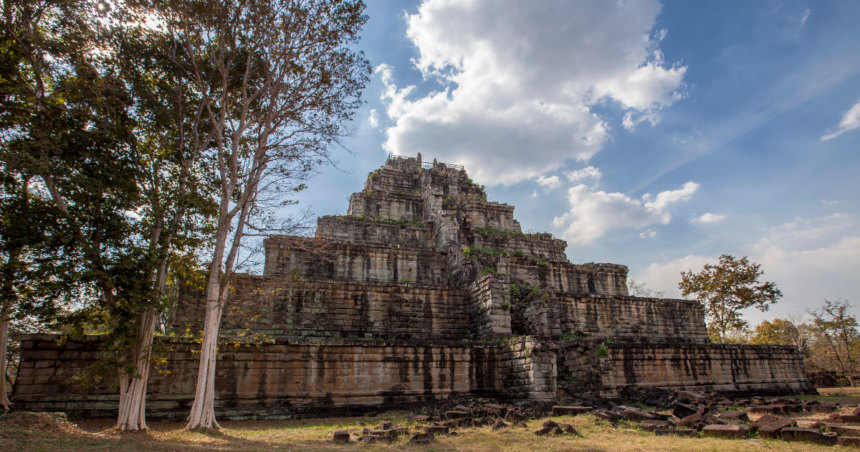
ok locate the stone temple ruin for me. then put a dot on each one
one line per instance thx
(424, 290)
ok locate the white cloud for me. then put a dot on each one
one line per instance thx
(549, 182)
(580, 174)
(666, 276)
(850, 121)
(805, 233)
(649, 234)
(592, 213)
(630, 123)
(519, 80)
(828, 202)
(373, 120)
(808, 259)
(707, 218)
(534, 195)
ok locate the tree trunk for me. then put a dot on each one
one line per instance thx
(4, 342)
(132, 388)
(203, 410)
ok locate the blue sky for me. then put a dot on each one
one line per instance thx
(655, 135)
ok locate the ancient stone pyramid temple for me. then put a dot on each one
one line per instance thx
(422, 291)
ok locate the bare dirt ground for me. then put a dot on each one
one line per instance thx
(24, 432)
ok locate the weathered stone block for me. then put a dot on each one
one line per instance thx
(724, 431)
(809, 435)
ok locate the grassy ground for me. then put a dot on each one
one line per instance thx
(42, 434)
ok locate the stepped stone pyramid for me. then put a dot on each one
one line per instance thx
(423, 290)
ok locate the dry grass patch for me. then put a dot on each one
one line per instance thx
(313, 435)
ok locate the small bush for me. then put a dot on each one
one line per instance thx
(601, 350)
(518, 253)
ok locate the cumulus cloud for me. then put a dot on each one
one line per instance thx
(850, 121)
(550, 183)
(592, 213)
(805, 233)
(808, 258)
(707, 218)
(519, 79)
(373, 119)
(581, 174)
(665, 276)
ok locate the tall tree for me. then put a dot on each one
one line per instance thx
(278, 84)
(725, 290)
(837, 328)
(101, 120)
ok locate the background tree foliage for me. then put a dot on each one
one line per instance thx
(725, 290)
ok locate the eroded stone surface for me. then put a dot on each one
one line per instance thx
(424, 290)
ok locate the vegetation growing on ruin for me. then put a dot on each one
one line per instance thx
(488, 232)
(402, 222)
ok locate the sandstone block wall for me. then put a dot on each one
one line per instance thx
(604, 279)
(284, 308)
(489, 308)
(371, 233)
(632, 319)
(358, 263)
(530, 371)
(491, 215)
(763, 369)
(386, 205)
(288, 379)
(540, 247)
(607, 368)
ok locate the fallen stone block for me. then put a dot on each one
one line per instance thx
(682, 410)
(735, 416)
(567, 428)
(845, 430)
(549, 424)
(386, 426)
(375, 439)
(341, 437)
(688, 432)
(436, 429)
(650, 426)
(638, 415)
(418, 418)
(622, 408)
(557, 431)
(692, 420)
(764, 420)
(812, 435)
(809, 423)
(724, 431)
(457, 414)
(849, 441)
(499, 424)
(845, 419)
(710, 419)
(772, 409)
(543, 431)
(497, 410)
(513, 416)
(856, 411)
(692, 396)
(773, 429)
(422, 438)
(570, 410)
(610, 416)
